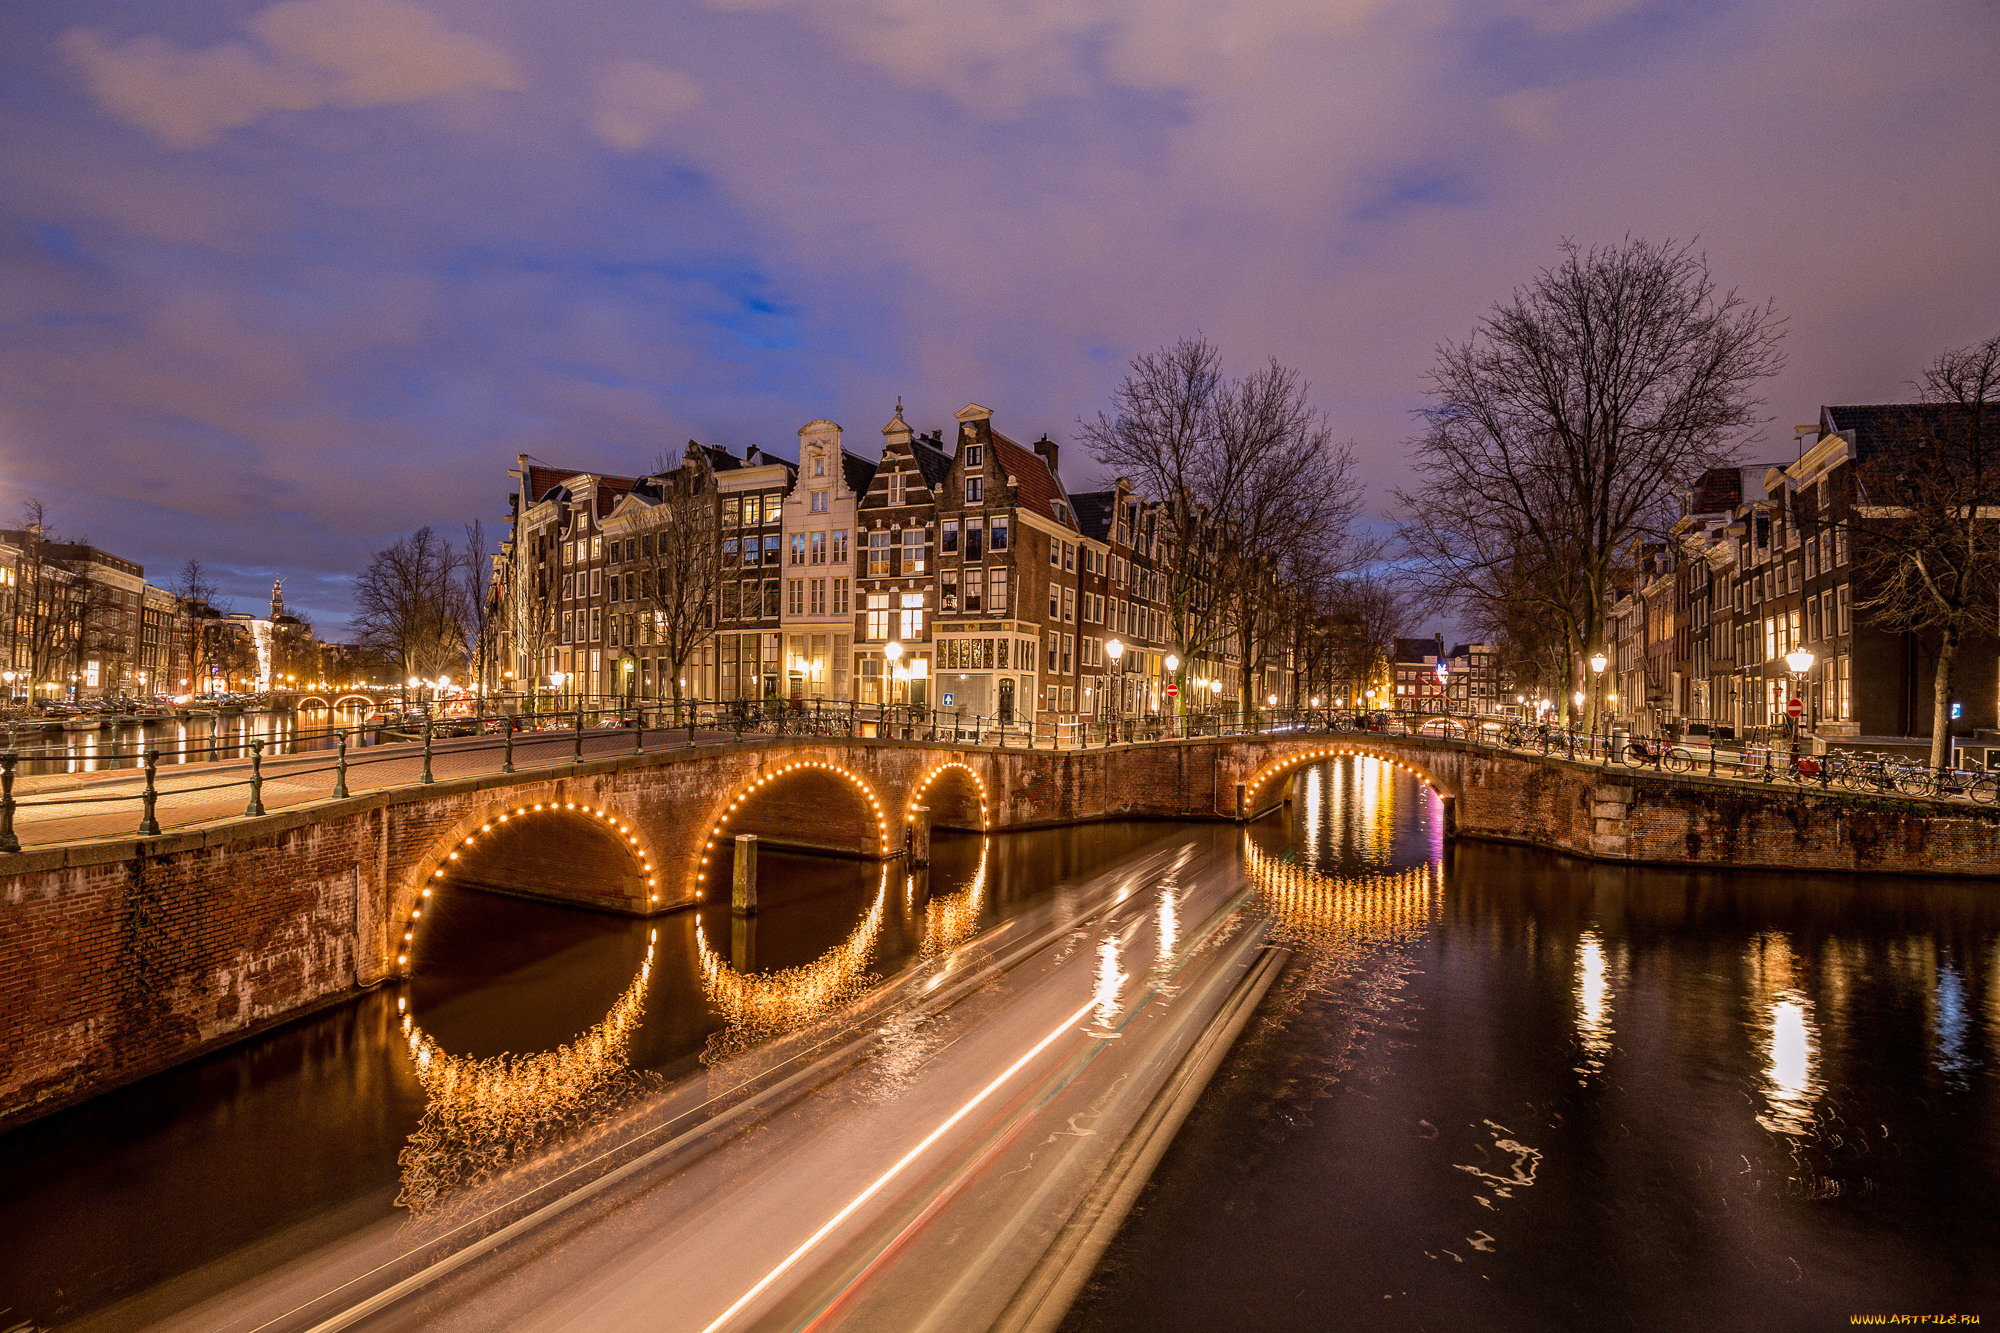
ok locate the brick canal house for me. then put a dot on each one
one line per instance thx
(1000, 591)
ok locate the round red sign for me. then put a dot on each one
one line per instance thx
(1172, 690)
(1794, 707)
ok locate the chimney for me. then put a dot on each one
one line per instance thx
(1046, 447)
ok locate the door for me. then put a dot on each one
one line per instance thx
(1006, 699)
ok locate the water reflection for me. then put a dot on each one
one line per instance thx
(197, 738)
(756, 1007)
(482, 1115)
(950, 919)
(1593, 1005)
(1105, 990)
(1951, 1024)
(1782, 1016)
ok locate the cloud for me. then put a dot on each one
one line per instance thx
(636, 100)
(308, 54)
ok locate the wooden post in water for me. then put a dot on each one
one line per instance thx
(743, 883)
(920, 835)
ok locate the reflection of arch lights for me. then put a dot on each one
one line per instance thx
(917, 797)
(1283, 766)
(867, 793)
(610, 820)
(760, 1006)
(480, 1113)
(949, 922)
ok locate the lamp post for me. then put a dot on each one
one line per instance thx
(1800, 661)
(893, 652)
(1598, 662)
(556, 679)
(1116, 650)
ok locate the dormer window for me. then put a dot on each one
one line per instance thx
(1060, 510)
(819, 467)
(975, 456)
(819, 502)
(897, 484)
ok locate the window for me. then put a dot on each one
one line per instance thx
(840, 597)
(975, 490)
(771, 600)
(975, 535)
(878, 617)
(1813, 622)
(596, 624)
(798, 548)
(597, 548)
(1069, 557)
(819, 502)
(840, 546)
(975, 580)
(897, 488)
(948, 590)
(1055, 602)
(1068, 698)
(771, 540)
(996, 597)
(646, 544)
(1843, 700)
(731, 602)
(751, 512)
(1792, 575)
(878, 555)
(732, 511)
(975, 456)
(913, 616)
(1055, 554)
(1812, 556)
(1846, 614)
(1055, 650)
(819, 548)
(819, 467)
(999, 542)
(795, 597)
(913, 550)
(596, 583)
(948, 537)
(569, 586)
(1069, 606)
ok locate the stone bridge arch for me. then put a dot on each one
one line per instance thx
(809, 804)
(957, 796)
(563, 850)
(1267, 784)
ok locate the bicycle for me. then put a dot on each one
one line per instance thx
(1642, 753)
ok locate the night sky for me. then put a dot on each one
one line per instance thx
(279, 281)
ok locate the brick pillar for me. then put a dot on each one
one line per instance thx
(920, 835)
(1450, 817)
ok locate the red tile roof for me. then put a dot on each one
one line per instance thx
(541, 480)
(1039, 488)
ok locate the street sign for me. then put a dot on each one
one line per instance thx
(1794, 707)
(947, 701)
(1172, 690)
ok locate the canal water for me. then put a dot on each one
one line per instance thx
(199, 737)
(150, 1198)
(1502, 1089)
(1495, 1089)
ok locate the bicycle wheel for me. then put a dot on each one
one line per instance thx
(1914, 782)
(1680, 761)
(1635, 755)
(1985, 788)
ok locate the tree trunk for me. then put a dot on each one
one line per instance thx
(1947, 659)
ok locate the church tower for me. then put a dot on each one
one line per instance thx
(277, 598)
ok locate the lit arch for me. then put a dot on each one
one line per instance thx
(353, 698)
(440, 870)
(917, 797)
(1278, 768)
(719, 829)
(314, 699)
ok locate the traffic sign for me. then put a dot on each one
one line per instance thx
(1172, 690)
(1794, 707)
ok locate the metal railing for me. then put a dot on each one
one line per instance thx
(413, 738)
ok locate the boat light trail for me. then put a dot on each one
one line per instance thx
(764, 1283)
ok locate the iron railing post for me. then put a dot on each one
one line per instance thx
(214, 725)
(427, 751)
(8, 842)
(256, 806)
(340, 767)
(149, 826)
(507, 763)
(576, 752)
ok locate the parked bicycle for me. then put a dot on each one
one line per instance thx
(1647, 752)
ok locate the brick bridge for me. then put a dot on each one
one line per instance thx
(121, 956)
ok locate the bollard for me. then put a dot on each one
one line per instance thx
(691, 714)
(507, 762)
(148, 825)
(743, 882)
(256, 806)
(214, 725)
(920, 835)
(340, 767)
(639, 730)
(427, 751)
(576, 754)
(1240, 813)
(8, 842)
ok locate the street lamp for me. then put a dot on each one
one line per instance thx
(1800, 660)
(893, 651)
(1597, 664)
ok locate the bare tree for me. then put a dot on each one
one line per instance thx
(479, 599)
(1927, 548)
(1246, 474)
(195, 592)
(1563, 427)
(410, 605)
(680, 561)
